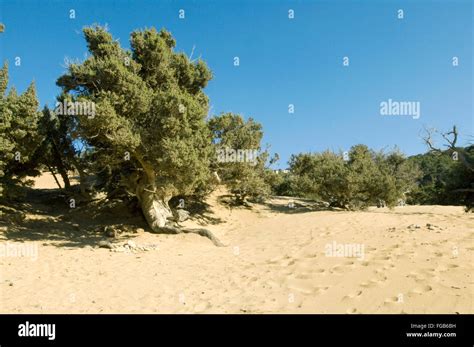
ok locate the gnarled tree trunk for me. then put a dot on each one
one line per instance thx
(157, 212)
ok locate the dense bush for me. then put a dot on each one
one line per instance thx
(444, 181)
(238, 157)
(20, 138)
(364, 179)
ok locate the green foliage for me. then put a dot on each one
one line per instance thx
(322, 176)
(149, 104)
(444, 181)
(244, 174)
(395, 177)
(363, 180)
(277, 181)
(432, 183)
(57, 151)
(460, 182)
(19, 137)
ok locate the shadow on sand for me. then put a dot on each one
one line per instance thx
(45, 215)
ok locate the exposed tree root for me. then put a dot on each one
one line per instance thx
(169, 229)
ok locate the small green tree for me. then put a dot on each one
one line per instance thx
(431, 188)
(6, 145)
(321, 176)
(239, 159)
(57, 150)
(19, 137)
(459, 180)
(397, 177)
(363, 180)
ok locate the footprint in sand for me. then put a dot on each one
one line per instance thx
(440, 268)
(380, 280)
(368, 284)
(353, 295)
(336, 270)
(303, 276)
(380, 270)
(320, 289)
(418, 278)
(349, 263)
(288, 262)
(275, 260)
(308, 254)
(421, 289)
(392, 300)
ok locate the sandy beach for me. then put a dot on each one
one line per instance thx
(412, 259)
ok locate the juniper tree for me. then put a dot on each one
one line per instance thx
(19, 137)
(150, 115)
(320, 176)
(56, 150)
(366, 183)
(239, 159)
(459, 181)
(6, 145)
(398, 176)
(358, 182)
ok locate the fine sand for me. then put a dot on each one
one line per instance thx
(276, 261)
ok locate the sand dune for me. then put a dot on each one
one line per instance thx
(275, 262)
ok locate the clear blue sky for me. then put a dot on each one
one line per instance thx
(283, 61)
